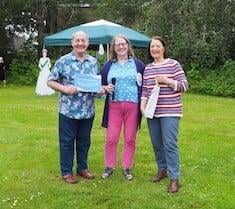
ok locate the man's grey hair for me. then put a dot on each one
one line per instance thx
(77, 33)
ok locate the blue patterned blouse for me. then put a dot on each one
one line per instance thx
(126, 78)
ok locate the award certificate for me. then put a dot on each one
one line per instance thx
(88, 83)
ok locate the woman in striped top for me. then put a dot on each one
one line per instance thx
(163, 128)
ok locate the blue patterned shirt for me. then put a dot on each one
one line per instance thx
(65, 70)
(125, 86)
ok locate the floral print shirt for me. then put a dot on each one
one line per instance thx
(65, 71)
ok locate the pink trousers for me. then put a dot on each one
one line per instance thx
(126, 114)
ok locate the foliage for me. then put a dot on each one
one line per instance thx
(213, 82)
(101, 59)
(40, 16)
(199, 33)
(24, 68)
(20, 14)
(30, 176)
(193, 33)
(122, 11)
(15, 16)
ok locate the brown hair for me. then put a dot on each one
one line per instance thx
(159, 38)
(113, 54)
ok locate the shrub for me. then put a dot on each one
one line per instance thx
(218, 82)
(24, 68)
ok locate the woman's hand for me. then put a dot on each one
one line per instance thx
(143, 104)
(167, 81)
(162, 79)
(109, 88)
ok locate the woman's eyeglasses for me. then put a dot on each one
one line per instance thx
(121, 44)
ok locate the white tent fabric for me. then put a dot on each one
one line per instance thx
(100, 22)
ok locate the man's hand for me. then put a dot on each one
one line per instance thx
(70, 90)
(102, 92)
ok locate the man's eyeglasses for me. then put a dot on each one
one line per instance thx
(121, 44)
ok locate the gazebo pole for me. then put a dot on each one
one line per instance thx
(107, 52)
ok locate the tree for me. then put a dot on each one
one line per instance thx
(39, 16)
(193, 33)
(122, 11)
(13, 16)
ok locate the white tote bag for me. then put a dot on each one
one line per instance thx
(152, 102)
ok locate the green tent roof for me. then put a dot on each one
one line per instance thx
(99, 32)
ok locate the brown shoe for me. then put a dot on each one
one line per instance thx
(160, 175)
(86, 174)
(70, 178)
(173, 186)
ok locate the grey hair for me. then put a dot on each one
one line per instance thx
(79, 33)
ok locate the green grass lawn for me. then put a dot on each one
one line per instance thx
(29, 166)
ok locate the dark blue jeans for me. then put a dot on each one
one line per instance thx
(71, 132)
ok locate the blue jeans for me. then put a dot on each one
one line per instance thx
(164, 135)
(73, 131)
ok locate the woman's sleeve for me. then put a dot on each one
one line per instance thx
(104, 73)
(179, 76)
(144, 86)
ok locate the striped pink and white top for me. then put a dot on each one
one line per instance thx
(170, 100)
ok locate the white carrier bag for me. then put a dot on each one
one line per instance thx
(152, 102)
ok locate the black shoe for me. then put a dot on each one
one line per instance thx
(127, 173)
(107, 172)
